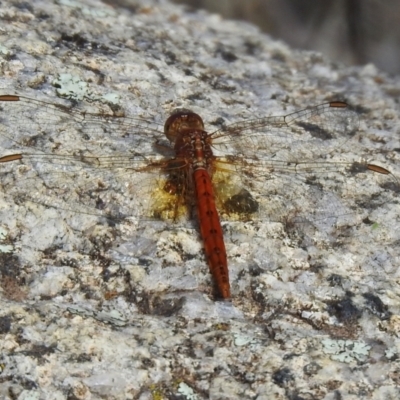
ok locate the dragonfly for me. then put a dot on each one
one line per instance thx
(131, 166)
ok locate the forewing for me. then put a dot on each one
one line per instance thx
(296, 137)
(36, 126)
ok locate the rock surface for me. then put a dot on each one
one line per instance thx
(87, 311)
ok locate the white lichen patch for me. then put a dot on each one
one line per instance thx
(346, 350)
(186, 391)
(71, 87)
(4, 248)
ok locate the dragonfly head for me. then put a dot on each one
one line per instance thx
(182, 120)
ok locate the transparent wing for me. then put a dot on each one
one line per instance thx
(104, 175)
(288, 165)
(305, 134)
(274, 168)
(115, 193)
(324, 194)
(41, 127)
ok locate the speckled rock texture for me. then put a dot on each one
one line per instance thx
(96, 308)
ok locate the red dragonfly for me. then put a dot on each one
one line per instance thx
(194, 169)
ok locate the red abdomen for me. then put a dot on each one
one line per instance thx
(211, 232)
